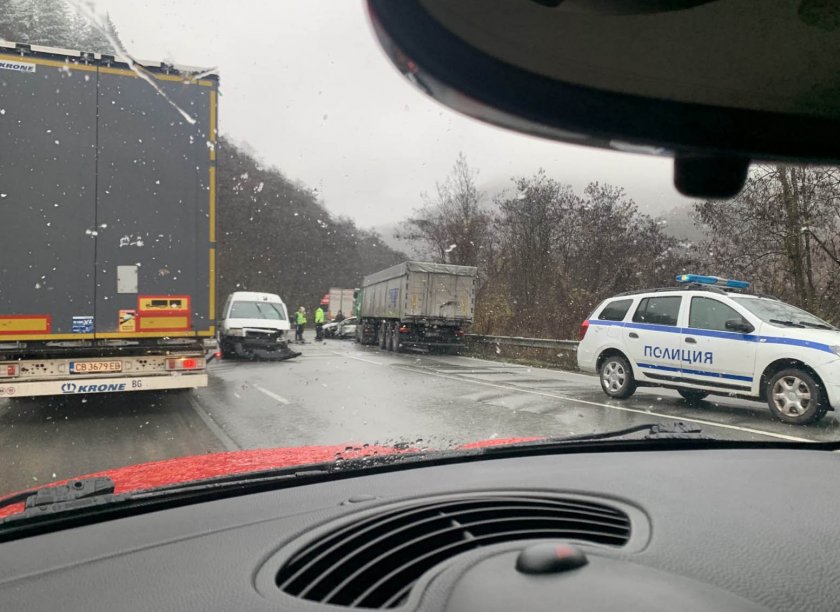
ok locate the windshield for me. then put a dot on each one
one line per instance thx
(779, 313)
(166, 163)
(257, 310)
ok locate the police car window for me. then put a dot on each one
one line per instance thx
(257, 310)
(707, 313)
(658, 310)
(615, 310)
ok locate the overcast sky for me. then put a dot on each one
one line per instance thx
(305, 84)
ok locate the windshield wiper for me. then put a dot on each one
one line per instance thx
(815, 325)
(786, 323)
(652, 432)
(73, 494)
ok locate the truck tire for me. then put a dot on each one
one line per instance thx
(616, 377)
(393, 340)
(795, 397)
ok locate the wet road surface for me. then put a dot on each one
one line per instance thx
(340, 392)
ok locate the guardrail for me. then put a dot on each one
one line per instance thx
(565, 345)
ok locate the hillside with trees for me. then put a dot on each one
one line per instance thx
(546, 254)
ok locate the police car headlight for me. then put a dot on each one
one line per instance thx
(236, 331)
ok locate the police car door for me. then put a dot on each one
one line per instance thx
(653, 338)
(717, 357)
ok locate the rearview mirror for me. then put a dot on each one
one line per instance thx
(689, 78)
(739, 325)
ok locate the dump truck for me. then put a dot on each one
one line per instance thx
(108, 200)
(416, 305)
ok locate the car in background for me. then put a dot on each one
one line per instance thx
(330, 329)
(347, 328)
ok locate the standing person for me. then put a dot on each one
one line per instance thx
(319, 323)
(300, 322)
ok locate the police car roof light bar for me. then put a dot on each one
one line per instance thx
(712, 280)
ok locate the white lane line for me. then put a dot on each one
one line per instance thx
(561, 373)
(228, 442)
(379, 363)
(619, 408)
(271, 394)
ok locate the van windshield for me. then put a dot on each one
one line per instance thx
(258, 310)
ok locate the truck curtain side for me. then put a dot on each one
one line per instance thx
(109, 210)
(417, 304)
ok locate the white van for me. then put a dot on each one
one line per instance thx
(255, 325)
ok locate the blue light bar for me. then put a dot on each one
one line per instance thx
(712, 280)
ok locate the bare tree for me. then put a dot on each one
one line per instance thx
(781, 232)
(452, 223)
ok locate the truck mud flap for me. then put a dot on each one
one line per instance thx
(262, 354)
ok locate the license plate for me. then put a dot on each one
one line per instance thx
(87, 367)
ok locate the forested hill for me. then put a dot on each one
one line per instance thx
(274, 235)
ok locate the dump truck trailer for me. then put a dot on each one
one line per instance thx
(417, 305)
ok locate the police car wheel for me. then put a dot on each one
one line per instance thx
(617, 377)
(691, 396)
(795, 397)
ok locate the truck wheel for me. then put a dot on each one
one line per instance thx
(795, 397)
(393, 339)
(692, 396)
(617, 377)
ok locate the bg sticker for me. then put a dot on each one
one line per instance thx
(82, 325)
(128, 320)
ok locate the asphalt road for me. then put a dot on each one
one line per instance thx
(338, 392)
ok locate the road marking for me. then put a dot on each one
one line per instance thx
(272, 395)
(422, 370)
(619, 408)
(379, 363)
(228, 442)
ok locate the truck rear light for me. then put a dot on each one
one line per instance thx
(459, 333)
(185, 363)
(404, 329)
(583, 327)
(9, 369)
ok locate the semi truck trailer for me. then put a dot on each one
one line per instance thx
(339, 300)
(108, 186)
(418, 305)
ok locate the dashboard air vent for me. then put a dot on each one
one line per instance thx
(374, 561)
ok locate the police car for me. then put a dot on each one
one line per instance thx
(708, 336)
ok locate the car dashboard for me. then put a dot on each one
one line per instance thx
(722, 529)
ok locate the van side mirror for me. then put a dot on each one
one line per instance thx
(739, 325)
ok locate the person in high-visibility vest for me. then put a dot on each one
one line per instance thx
(300, 322)
(319, 323)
